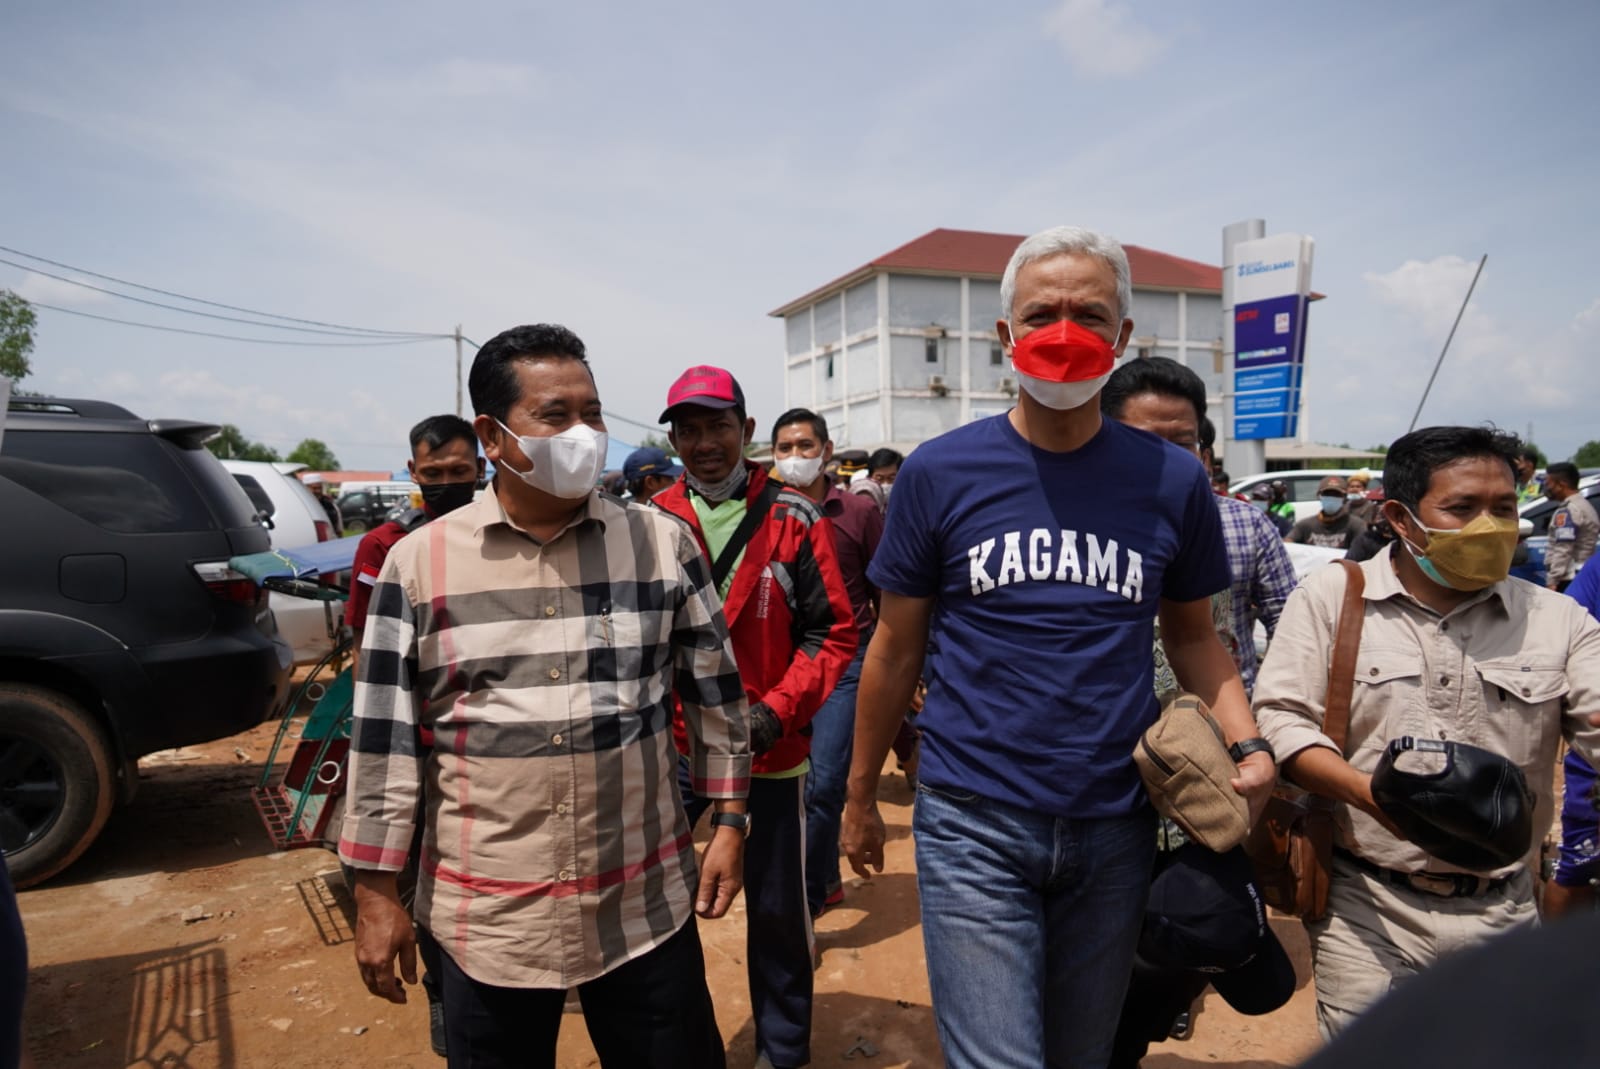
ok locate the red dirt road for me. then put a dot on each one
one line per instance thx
(262, 973)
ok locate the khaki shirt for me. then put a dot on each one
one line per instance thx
(1513, 670)
(1574, 529)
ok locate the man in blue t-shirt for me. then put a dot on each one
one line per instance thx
(1028, 556)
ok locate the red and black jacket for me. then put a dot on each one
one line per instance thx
(787, 610)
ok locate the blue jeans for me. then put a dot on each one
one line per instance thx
(833, 733)
(1029, 922)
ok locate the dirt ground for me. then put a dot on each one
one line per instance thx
(183, 939)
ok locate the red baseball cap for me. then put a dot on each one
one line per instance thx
(705, 386)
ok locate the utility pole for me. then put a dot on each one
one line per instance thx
(458, 369)
(1437, 364)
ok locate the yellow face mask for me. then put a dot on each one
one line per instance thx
(1470, 557)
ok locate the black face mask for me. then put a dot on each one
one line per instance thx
(440, 498)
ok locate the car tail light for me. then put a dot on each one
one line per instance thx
(324, 531)
(227, 584)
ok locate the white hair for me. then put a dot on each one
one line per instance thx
(1069, 239)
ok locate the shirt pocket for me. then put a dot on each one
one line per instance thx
(1386, 702)
(1523, 698)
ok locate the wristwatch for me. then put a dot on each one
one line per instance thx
(1244, 747)
(732, 820)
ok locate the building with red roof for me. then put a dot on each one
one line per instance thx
(904, 347)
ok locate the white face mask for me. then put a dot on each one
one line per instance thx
(565, 465)
(800, 472)
(1061, 395)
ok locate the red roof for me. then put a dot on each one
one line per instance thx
(975, 253)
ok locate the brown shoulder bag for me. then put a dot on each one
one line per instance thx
(1291, 845)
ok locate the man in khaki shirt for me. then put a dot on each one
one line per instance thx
(1450, 649)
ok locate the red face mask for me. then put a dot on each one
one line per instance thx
(1063, 352)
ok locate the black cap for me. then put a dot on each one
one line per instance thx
(1205, 913)
(1476, 812)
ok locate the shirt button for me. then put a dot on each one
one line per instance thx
(1445, 626)
(549, 610)
(1374, 671)
(1526, 691)
(561, 809)
(555, 740)
(555, 673)
(564, 875)
(1444, 681)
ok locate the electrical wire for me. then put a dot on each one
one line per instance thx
(235, 337)
(212, 304)
(192, 311)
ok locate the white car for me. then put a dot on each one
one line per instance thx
(1302, 484)
(292, 518)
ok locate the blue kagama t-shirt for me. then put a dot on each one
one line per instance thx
(1047, 570)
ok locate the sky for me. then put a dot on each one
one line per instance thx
(659, 177)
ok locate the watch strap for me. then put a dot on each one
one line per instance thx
(1245, 747)
(732, 820)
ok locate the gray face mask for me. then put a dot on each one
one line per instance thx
(724, 488)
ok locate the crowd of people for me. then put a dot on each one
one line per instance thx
(557, 683)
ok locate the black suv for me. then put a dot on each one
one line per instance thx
(362, 510)
(122, 629)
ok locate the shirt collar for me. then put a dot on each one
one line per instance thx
(833, 501)
(1383, 583)
(488, 512)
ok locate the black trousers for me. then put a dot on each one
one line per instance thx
(778, 922)
(653, 1012)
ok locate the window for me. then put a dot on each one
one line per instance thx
(258, 497)
(122, 482)
(930, 350)
(997, 355)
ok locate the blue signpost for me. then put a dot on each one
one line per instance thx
(1269, 332)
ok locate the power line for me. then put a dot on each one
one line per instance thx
(234, 337)
(192, 311)
(611, 414)
(212, 304)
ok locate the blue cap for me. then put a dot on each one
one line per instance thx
(649, 461)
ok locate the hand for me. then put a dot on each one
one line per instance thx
(721, 873)
(1369, 805)
(765, 729)
(383, 932)
(1256, 778)
(861, 836)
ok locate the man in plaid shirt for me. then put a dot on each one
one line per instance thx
(540, 634)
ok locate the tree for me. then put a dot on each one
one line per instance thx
(1588, 455)
(314, 454)
(16, 336)
(655, 441)
(231, 444)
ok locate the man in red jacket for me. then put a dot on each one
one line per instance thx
(773, 562)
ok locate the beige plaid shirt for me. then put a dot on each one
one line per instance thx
(1513, 670)
(555, 846)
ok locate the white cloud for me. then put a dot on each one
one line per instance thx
(44, 290)
(1430, 291)
(1102, 39)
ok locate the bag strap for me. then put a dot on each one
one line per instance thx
(754, 514)
(1346, 644)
